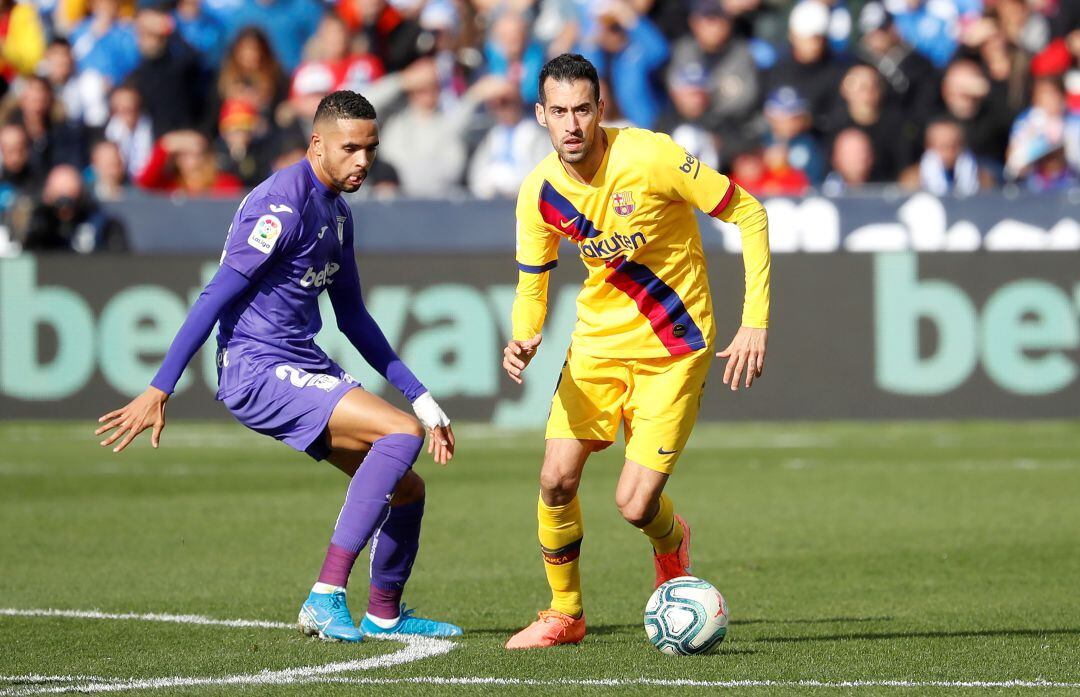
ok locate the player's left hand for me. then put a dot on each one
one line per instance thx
(746, 351)
(145, 411)
(435, 420)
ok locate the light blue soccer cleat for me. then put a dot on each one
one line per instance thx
(413, 626)
(327, 616)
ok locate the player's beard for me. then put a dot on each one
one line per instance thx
(578, 156)
(347, 186)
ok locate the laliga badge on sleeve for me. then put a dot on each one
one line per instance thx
(267, 230)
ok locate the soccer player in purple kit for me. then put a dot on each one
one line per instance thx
(291, 238)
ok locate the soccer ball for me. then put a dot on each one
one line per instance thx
(686, 616)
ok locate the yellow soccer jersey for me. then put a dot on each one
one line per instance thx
(647, 291)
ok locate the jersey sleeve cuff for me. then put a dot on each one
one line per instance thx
(529, 268)
(724, 201)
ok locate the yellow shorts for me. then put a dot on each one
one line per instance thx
(656, 399)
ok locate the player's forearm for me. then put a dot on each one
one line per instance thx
(363, 332)
(748, 213)
(223, 288)
(530, 305)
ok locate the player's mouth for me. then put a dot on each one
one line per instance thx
(574, 144)
(357, 179)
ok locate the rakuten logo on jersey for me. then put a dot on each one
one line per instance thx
(320, 279)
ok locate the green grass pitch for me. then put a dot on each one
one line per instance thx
(917, 553)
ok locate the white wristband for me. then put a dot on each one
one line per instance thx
(429, 412)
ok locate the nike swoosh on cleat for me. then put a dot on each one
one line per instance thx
(661, 451)
(564, 224)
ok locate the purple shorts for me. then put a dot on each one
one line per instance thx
(291, 404)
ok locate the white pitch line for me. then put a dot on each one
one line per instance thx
(654, 682)
(148, 617)
(415, 649)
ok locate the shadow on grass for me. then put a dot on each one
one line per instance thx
(972, 633)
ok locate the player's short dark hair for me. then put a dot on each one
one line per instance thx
(344, 104)
(567, 68)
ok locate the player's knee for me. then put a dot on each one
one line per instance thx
(557, 487)
(411, 488)
(407, 425)
(635, 511)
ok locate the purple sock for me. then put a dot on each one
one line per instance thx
(337, 565)
(368, 500)
(393, 551)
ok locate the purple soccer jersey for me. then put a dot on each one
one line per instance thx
(293, 238)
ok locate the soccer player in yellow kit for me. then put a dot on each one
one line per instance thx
(641, 349)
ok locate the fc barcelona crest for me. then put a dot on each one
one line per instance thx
(623, 203)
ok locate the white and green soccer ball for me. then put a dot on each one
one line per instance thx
(686, 616)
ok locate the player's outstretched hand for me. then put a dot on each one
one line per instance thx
(516, 356)
(746, 351)
(145, 411)
(435, 420)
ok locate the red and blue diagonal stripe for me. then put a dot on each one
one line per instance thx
(558, 212)
(659, 302)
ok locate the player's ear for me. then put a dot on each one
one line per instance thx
(316, 143)
(600, 111)
(540, 114)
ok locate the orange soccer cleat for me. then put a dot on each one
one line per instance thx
(550, 629)
(677, 563)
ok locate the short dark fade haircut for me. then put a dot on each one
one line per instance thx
(344, 104)
(567, 68)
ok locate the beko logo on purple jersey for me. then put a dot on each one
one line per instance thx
(320, 278)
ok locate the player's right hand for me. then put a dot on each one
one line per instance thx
(145, 411)
(516, 357)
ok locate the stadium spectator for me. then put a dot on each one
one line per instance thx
(182, 162)
(862, 93)
(246, 145)
(83, 97)
(810, 66)
(424, 142)
(17, 176)
(67, 219)
(53, 140)
(688, 120)
(1036, 150)
(852, 161)
(286, 23)
(396, 40)
(931, 27)
(913, 83)
(108, 174)
(511, 53)
(627, 49)
(947, 167)
(105, 43)
(511, 147)
(168, 76)
(329, 51)
(971, 99)
(789, 134)
(250, 73)
(22, 38)
(766, 172)
(731, 76)
(201, 30)
(129, 128)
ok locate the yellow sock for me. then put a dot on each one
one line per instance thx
(662, 531)
(561, 530)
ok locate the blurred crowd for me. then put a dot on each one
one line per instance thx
(207, 97)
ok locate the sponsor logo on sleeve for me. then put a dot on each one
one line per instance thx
(280, 208)
(264, 235)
